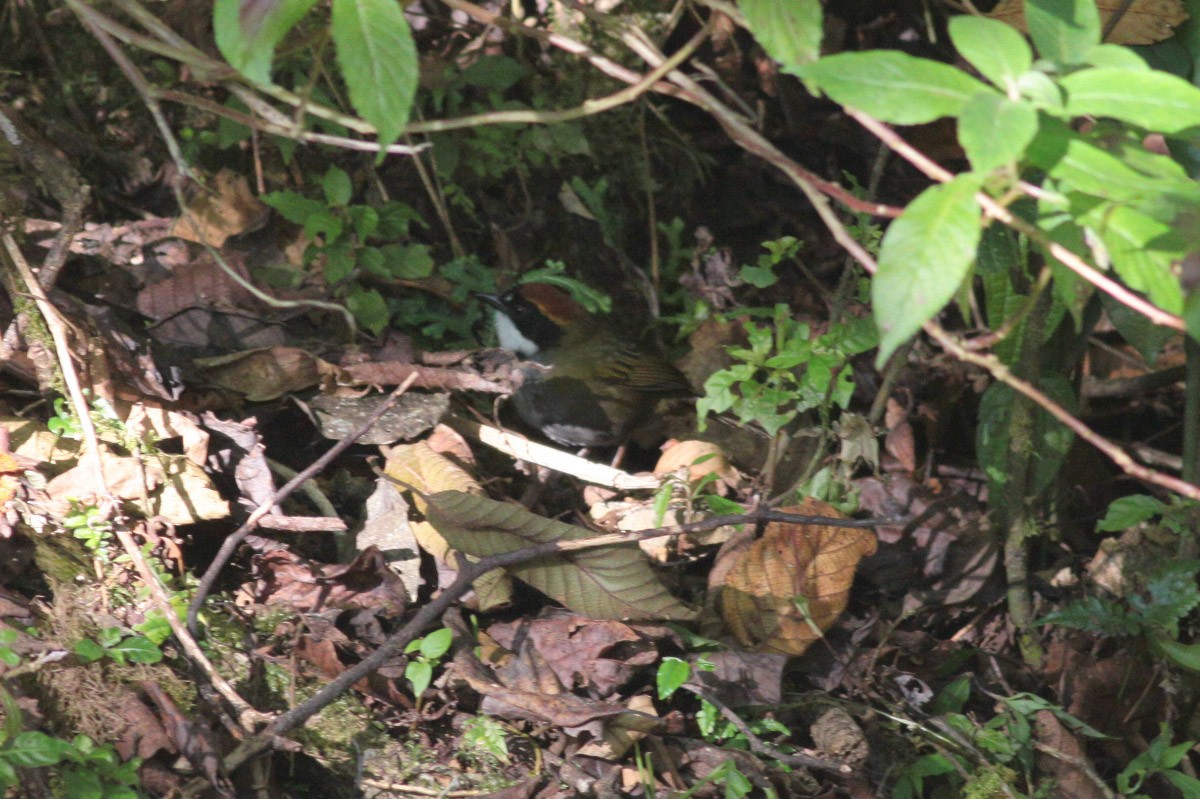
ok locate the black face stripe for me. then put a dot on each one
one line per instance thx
(533, 324)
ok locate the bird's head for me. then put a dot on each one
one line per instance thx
(533, 317)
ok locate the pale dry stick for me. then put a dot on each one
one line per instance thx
(249, 718)
(1001, 213)
(522, 448)
(230, 545)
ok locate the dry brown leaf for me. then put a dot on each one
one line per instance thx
(266, 374)
(699, 458)
(795, 578)
(179, 490)
(229, 207)
(429, 472)
(1145, 22)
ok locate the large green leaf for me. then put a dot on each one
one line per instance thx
(1143, 252)
(995, 130)
(925, 255)
(247, 40)
(998, 51)
(612, 582)
(789, 30)
(1078, 165)
(378, 57)
(893, 86)
(1064, 31)
(1152, 100)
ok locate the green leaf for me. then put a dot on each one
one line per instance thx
(32, 749)
(295, 208)
(894, 86)
(337, 186)
(998, 51)
(1096, 615)
(378, 57)
(1188, 786)
(495, 72)
(89, 650)
(995, 131)
(407, 261)
(1064, 31)
(789, 30)
(1151, 100)
(926, 254)
(758, 276)
(672, 673)
(139, 649)
(369, 307)
(1118, 57)
(1185, 656)
(1127, 511)
(420, 674)
(437, 643)
(247, 40)
(1143, 252)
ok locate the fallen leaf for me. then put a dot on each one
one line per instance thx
(788, 587)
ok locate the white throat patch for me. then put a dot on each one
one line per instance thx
(511, 338)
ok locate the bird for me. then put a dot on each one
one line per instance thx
(587, 380)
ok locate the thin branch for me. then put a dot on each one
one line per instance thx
(758, 746)
(230, 545)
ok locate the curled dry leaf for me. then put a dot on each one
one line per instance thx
(179, 490)
(1144, 22)
(228, 208)
(700, 458)
(788, 587)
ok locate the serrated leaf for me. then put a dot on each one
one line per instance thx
(789, 30)
(1064, 31)
(1152, 100)
(1127, 511)
(1096, 615)
(247, 33)
(995, 131)
(612, 582)
(32, 749)
(926, 254)
(894, 86)
(369, 307)
(378, 58)
(999, 53)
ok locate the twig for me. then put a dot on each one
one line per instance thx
(468, 573)
(758, 746)
(230, 545)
